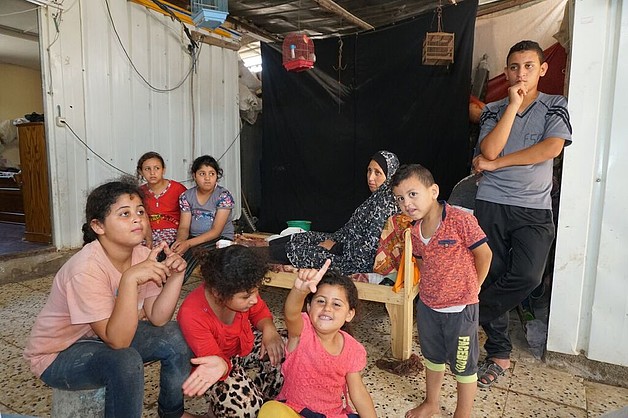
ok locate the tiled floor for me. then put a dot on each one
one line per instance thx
(530, 389)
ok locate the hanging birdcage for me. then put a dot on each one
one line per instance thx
(209, 14)
(438, 47)
(298, 52)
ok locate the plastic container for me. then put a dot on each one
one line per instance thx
(305, 225)
(222, 243)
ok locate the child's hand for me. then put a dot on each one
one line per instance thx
(307, 279)
(517, 92)
(209, 370)
(481, 164)
(149, 269)
(173, 261)
(272, 344)
(180, 247)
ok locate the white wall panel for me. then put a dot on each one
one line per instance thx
(589, 308)
(118, 115)
(609, 326)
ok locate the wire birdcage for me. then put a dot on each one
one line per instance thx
(298, 52)
(209, 13)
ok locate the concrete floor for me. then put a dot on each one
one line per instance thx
(530, 389)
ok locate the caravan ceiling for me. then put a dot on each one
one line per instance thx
(273, 19)
(19, 34)
(268, 20)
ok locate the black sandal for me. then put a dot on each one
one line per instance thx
(489, 371)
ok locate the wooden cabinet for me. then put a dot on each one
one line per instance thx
(35, 184)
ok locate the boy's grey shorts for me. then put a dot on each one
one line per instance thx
(450, 338)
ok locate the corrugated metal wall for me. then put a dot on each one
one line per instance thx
(92, 84)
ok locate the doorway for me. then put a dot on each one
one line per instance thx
(21, 101)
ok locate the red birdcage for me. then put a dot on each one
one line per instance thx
(298, 52)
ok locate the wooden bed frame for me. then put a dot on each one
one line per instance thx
(399, 305)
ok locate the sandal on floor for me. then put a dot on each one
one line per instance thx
(488, 372)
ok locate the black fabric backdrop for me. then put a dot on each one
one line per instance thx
(322, 125)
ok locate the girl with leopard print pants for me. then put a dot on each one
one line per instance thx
(231, 332)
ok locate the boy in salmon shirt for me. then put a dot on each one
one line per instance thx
(454, 259)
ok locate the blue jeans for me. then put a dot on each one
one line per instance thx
(90, 363)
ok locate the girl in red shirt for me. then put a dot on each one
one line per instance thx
(161, 199)
(232, 334)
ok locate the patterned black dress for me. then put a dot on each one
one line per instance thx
(359, 237)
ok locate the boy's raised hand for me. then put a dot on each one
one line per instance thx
(517, 92)
(307, 279)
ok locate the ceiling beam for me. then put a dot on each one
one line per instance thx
(256, 32)
(16, 33)
(336, 9)
(215, 41)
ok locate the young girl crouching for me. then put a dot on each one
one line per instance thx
(237, 368)
(323, 363)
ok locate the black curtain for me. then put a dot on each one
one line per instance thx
(366, 92)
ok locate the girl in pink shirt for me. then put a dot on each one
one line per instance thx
(109, 311)
(323, 363)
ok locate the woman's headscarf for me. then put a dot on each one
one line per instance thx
(388, 162)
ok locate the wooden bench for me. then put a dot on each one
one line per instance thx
(399, 305)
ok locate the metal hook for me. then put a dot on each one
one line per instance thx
(340, 66)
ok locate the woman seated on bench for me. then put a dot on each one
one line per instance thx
(352, 248)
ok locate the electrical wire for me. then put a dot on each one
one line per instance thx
(19, 13)
(92, 151)
(124, 172)
(194, 57)
(230, 145)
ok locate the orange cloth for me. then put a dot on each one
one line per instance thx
(390, 253)
(401, 270)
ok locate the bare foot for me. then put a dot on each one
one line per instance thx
(425, 410)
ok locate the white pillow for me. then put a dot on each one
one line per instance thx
(10, 156)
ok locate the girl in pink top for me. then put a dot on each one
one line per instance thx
(110, 310)
(323, 363)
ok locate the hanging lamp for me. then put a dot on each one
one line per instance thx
(438, 47)
(209, 14)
